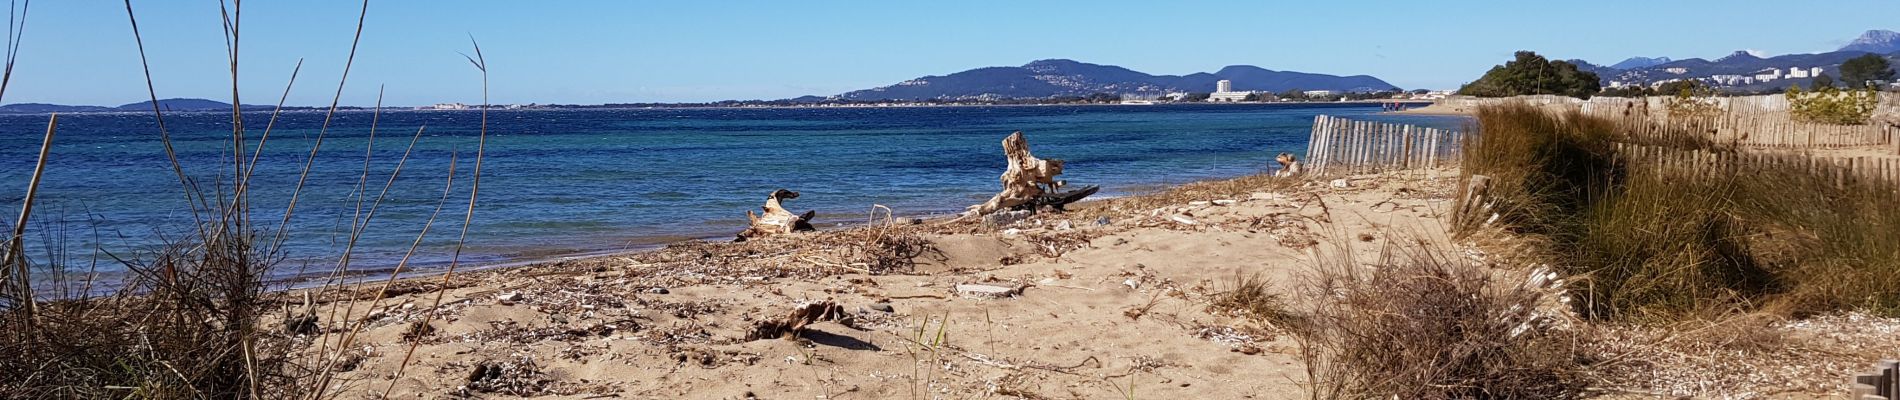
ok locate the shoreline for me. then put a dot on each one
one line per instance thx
(311, 281)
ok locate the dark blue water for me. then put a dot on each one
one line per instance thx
(581, 181)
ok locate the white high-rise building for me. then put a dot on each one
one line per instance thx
(1224, 86)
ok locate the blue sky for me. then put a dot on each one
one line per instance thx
(81, 51)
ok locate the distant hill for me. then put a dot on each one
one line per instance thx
(168, 105)
(1875, 41)
(1739, 63)
(1049, 78)
(43, 108)
(1642, 70)
(1640, 62)
(185, 105)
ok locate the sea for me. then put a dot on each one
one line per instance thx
(562, 183)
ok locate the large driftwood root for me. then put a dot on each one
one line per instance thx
(776, 220)
(801, 317)
(1029, 182)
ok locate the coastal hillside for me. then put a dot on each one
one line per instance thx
(1746, 70)
(1050, 78)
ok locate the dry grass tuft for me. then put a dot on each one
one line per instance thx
(1251, 296)
(1425, 326)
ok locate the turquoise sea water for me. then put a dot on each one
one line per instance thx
(562, 182)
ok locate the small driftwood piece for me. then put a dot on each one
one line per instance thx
(1289, 165)
(1029, 182)
(795, 322)
(776, 220)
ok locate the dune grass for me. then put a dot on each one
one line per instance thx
(1661, 244)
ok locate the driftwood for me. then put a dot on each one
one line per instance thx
(794, 323)
(1029, 182)
(1289, 165)
(776, 220)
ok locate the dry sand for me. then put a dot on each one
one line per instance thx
(1110, 301)
(1105, 309)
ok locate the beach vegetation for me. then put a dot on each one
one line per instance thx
(1648, 243)
(1427, 325)
(1691, 98)
(1830, 105)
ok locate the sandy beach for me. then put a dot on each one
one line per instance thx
(1113, 300)
(1101, 299)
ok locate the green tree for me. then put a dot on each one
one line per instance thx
(1293, 94)
(1858, 71)
(1823, 81)
(1532, 74)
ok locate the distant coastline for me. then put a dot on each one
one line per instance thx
(39, 109)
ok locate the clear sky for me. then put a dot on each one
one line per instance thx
(82, 52)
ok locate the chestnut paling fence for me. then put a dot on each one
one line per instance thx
(1344, 146)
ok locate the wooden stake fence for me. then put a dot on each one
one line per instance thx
(1883, 383)
(1343, 146)
(1703, 163)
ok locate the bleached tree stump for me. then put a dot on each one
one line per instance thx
(775, 219)
(1023, 181)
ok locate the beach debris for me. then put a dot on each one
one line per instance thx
(304, 321)
(1064, 225)
(1226, 202)
(1005, 218)
(658, 290)
(1029, 182)
(510, 298)
(1131, 283)
(1289, 165)
(1184, 220)
(794, 323)
(1341, 183)
(1199, 203)
(885, 307)
(987, 291)
(776, 220)
(519, 377)
(1265, 196)
(1103, 221)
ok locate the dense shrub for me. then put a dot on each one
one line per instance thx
(1827, 104)
(1531, 74)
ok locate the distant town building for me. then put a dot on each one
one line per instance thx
(1224, 92)
(1768, 74)
(444, 106)
(1319, 93)
(1732, 80)
(1794, 73)
(1676, 70)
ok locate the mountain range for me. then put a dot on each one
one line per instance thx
(1057, 77)
(1640, 62)
(1641, 70)
(143, 106)
(1875, 41)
